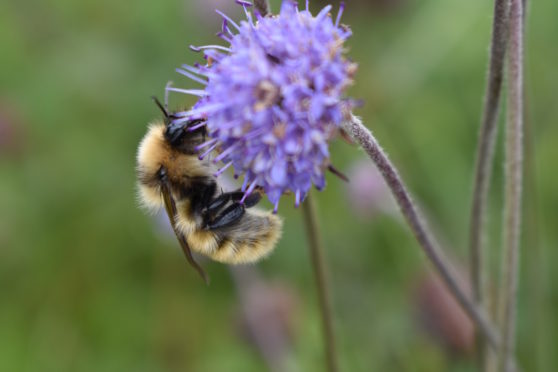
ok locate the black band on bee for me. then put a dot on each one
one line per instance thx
(202, 193)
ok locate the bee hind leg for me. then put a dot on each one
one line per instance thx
(229, 216)
(219, 202)
(252, 199)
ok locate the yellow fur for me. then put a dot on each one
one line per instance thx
(203, 241)
(185, 221)
(150, 198)
(248, 248)
(153, 153)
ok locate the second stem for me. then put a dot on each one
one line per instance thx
(315, 245)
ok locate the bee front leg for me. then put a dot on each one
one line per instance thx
(236, 196)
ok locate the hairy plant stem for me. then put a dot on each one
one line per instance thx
(320, 275)
(361, 135)
(513, 184)
(485, 160)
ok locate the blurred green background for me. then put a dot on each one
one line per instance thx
(89, 282)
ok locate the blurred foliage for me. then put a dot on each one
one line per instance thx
(89, 282)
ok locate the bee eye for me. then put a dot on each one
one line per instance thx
(174, 133)
(184, 137)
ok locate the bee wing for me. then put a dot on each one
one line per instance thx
(170, 207)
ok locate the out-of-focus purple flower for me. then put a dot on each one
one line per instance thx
(12, 131)
(367, 192)
(442, 316)
(268, 315)
(274, 97)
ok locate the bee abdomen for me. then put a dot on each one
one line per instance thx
(251, 241)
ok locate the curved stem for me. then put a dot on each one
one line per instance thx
(513, 183)
(485, 157)
(320, 275)
(361, 135)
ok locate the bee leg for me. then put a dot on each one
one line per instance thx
(236, 196)
(229, 216)
(252, 199)
(219, 202)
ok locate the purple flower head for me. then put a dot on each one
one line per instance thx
(274, 97)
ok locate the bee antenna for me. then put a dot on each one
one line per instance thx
(161, 107)
(337, 172)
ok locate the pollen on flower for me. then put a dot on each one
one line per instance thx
(274, 97)
(266, 95)
(280, 130)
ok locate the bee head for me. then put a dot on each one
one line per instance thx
(182, 136)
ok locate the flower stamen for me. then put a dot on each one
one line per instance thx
(248, 192)
(194, 92)
(340, 13)
(223, 169)
(266, 94)
(191, 76)
(205, 144)
(208, 151)
(210, 47)
(228, 19)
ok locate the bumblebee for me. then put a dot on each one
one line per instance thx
(206, 220)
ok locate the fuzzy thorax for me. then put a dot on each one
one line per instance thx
(154, 153)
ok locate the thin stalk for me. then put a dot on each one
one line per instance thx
(485, 160)
(361, 135)
(513, 184)
(535, 283)
(315, 245)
